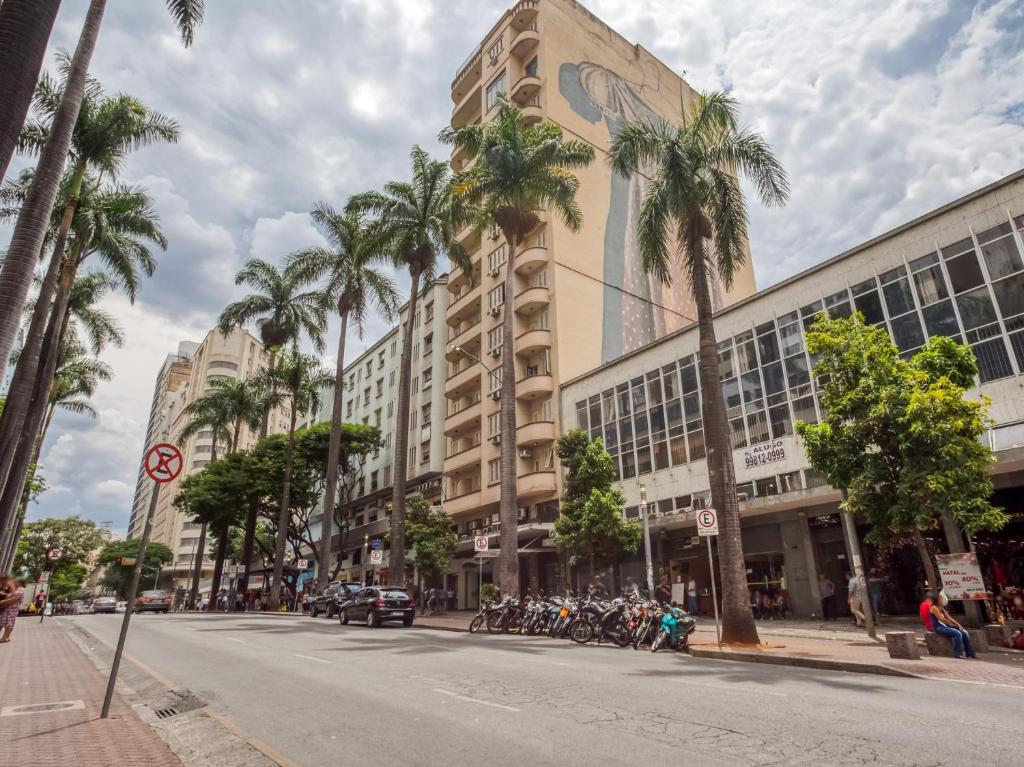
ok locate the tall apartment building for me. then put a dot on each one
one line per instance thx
(238, 355)
(957, 271)
(371, 397)
(581, 298)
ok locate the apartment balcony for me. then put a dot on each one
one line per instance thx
(463, 334)
(532, 112)
(532, 299)
(534, 484)
(468, 75)
(534, 386)
(531, 259)
(467, 111)
(462, 159)
(530, 434)
(525, 89)
(463, 460)
(464, 307)
(524, 14)
(462, 503)
(469, 238)
(533, 340)
(464, 380)
(526, 42)
(457, 421)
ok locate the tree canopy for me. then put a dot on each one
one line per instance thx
(428, 531)
(119, 577)
(75, 537)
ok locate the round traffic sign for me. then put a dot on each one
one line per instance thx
(54, 554)
(481, 543)
(376, 557)
(376, 543)
(163, 462)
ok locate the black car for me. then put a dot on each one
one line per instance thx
(327, 601)
(377, 604)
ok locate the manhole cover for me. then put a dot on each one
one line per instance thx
(42, 708)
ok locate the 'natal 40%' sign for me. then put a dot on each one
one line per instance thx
(762, 454)
(961, 576)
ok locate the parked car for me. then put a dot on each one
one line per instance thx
(328, 600)
(121, 607)
(155, 601)
(104, 605)
(377, 604)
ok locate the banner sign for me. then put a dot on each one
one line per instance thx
(961, 576)
(762, 454)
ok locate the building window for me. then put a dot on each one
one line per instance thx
(415, 384)
(496, 90)
(493, 424)
(532, 68)
(428, 312)
(494, 471)
(373, 481)
(494, 341)
(386, 473)
(495, 50)
(428, 344)
(425, 412)
(391, 379)
(376, 417)
(366, 396)
(380, 359)
(380, 387)
(496, 297)
(428, 376)
(496, 260)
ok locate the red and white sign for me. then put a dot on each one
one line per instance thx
(961, 576)
(707, 522)
(481, 543)
(163, 462)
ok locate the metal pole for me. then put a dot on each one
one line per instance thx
(853, 545)
(131, 602)
(714, 592)
(480, 592)
(647, 541)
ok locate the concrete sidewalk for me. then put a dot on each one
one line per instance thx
(44, 670)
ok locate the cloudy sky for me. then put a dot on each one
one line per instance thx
(880, 110)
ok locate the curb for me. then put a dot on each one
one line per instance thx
(798, 662)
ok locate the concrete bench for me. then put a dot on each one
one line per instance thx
(938, 645)
(902, 644)
(996, 634)
(979, 640)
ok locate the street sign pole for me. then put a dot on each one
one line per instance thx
(714, 593)
(647, 541)
(168, 465)
(707, 527)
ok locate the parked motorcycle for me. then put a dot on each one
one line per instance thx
(674, 630)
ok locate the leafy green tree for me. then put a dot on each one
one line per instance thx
(591, 525)
(417, 220)
(119, 577)
(693, 221)
(521, 170)
(428, 530)
(74, 536)
(66, 582)
(900, 437)
(353, 285)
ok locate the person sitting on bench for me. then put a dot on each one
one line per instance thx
(936, 618)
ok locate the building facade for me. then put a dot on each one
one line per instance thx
(581, 298)
(957, 271)
(184, 379)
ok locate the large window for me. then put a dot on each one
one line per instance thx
(496, 90)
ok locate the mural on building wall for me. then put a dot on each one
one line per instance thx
(638, 309)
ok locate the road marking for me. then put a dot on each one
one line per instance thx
(267, 750)
(232, 639)
(152, 672)
(475, 700)
(310, 657)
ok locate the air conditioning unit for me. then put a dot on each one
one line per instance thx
(742, 497)
(494, 271)
(495, 439)
(496, 352)
(496, 394)
(487, 530)
(494, 311)
(525, 452)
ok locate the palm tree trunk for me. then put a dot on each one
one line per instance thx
(333, 455)
(8, 540)
(24, 31)
(508, 509)
(737, 621)
(249, 537)
(218, 569)
(926, 560)
(197, 571)
(283, 516)
(30, 229)
(396, 568)
(37, 350)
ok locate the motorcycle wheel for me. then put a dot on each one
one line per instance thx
(621, 637)
(475, 624)
(581, 632)
(495, 623)
(658, 641)
(514, 624)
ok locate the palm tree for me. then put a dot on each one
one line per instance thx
(27, 240)
(418, 221)
(24, 30)
(209, 413)
(694, 197)
(353, 286)
(301, 378)
(282, 309)
(521, 170)
(107, 128)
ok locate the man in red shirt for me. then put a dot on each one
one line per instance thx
(925, 611)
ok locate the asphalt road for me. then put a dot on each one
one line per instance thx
(324, 694)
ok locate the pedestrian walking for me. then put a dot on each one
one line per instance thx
(691, 596)
(663, 593)
(875, 592)
(827, 590)
(10, 603)
(855, 597)
(432, 600)
(936, 618)
(629, 587)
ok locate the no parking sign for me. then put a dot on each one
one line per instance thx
(707, 522)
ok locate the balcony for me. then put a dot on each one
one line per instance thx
(534, 484)
(462, 460)
(469, 238)
(532, 299)
(467, 111)
(525, 89)
(468, 75)
(529, 434)
(533, 386)
(533, 340)
(460, 419)
(531, 260)
(467, 377)
(465, 306)
(524, 14)
(526, 42)
(462, 159)
(463, 334)
(458, 504)
(532, 113)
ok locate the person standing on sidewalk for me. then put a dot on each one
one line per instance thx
(10, 603)
(827, 590)
(691, 596)
(853, 584)
(875, 592)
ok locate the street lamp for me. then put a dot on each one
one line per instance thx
(488, 368)
(647, 539)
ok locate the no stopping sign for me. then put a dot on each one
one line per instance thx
(163, 462)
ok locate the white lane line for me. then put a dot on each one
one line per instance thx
(310, 657)
(475, 700)
(734, 688)
(232, 639)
